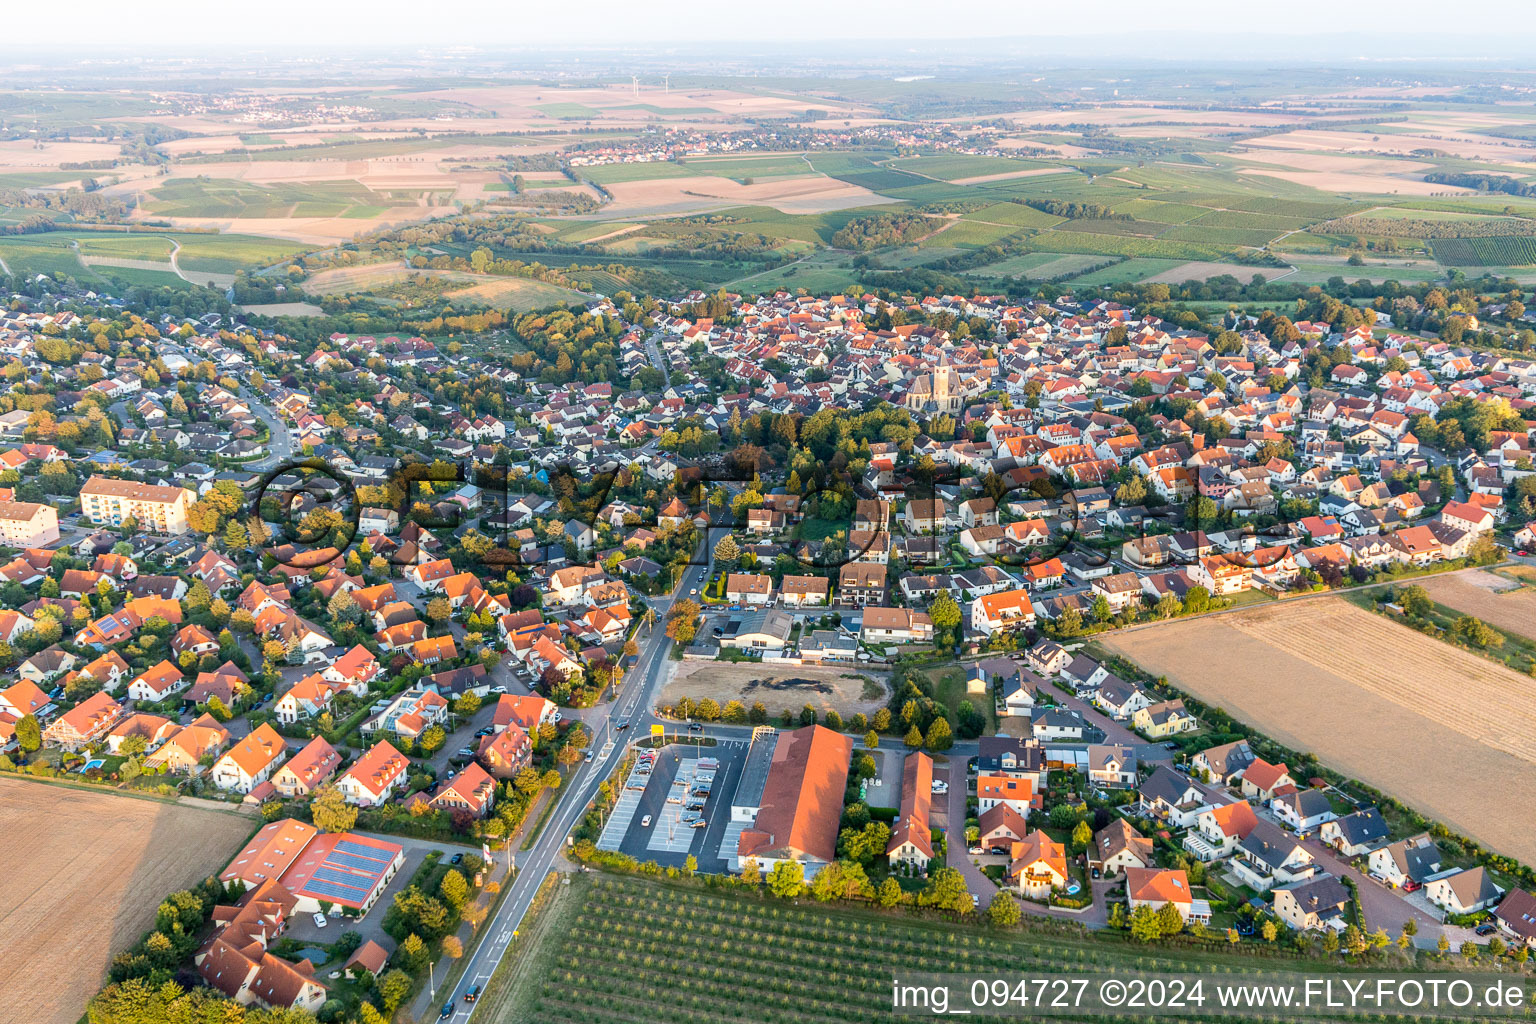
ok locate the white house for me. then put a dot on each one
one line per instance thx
(251, 761)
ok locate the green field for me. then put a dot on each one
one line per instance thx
(907, 257)
(968, 234)
(136, 276)
(823, 272)
(366, 149)
(1495, 251)
(1160, 212)
(124, 246)
(228, 197)
(1127, 272)
(49, 254)
(1037, 265)
(776, 165)
(608, 174)
(42, 179)
(1318, 273)
(609, 946)
(225, 254)
(584, 231)
(220, 254)
(1016, 214)
(1073, 241)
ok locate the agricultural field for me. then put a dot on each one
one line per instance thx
(1039, 265)
(608, 944)
(227, 253)
(49, 254)
(518, 293)
(775, 165)
(1490, 598)
(1015, 214)
(1495, 251)
(607, 174)
(967, 234)
(961, 165)
(1448, 732)
(1131, 270)
(87, 870)
(219, 198)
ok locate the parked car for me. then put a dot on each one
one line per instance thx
(320, 921)
(1487, 928)
(466, 751)
(498, 689)
(458, 858)
(941, 787)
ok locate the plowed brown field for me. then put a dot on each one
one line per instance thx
(1495, 600)
(1449, 733)
(85, 872)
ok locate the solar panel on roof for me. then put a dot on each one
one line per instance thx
(334, 892)
(348, 860)
(342, 878)
(371, 852)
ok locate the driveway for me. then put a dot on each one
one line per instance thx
(1380, 905)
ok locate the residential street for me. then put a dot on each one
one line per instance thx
(636, 697)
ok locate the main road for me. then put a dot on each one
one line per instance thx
(636, 697)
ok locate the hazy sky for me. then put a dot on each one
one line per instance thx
(500, 23)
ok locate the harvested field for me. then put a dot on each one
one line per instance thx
(1033, 172)
(1450, 733)
(1495, 600)
(787, 195)
(518, 292)
(1344, 181)
(284, 309)
(780, 688)
(87, 872)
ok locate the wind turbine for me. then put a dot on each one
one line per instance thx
(666, 84)
(635, 82)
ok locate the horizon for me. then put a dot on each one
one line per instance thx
(176, 26)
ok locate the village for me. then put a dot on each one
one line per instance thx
(390, 596)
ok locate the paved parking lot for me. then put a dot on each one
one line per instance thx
(671, 833)
(667, 840)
